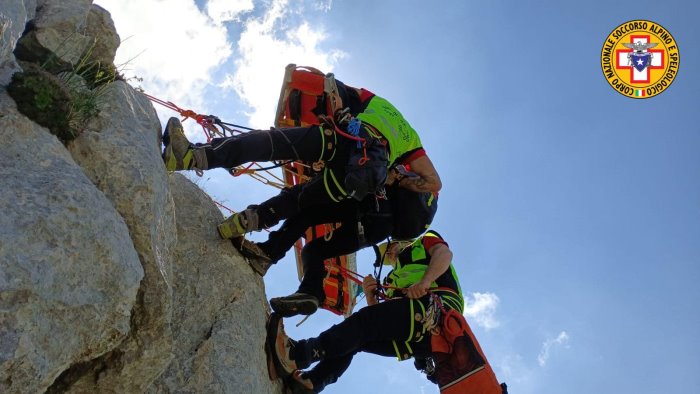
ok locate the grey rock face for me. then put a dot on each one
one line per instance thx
(101, 27)
(69, 273)
(67, 32)
(219, 306)
(14, 14)
(63, 30)
(57, 33)
(121, 156)
(112, 276)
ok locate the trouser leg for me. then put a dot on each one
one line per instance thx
(343, 241)
(376, 216)
(319, 190)
(371, 329)
(328, 370)
(281, 240)
(298, 143)
(385, 322)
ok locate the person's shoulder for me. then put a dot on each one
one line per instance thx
(432, 238)
(365, 95)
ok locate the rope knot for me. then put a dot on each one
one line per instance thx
(188, 113)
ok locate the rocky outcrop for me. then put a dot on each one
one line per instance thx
(120, 154)
(218, 304)
(99, 25)
(112, 276)
(56, 34)
(14, 15)
(69, 273)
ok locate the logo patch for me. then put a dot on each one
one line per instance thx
(640, 59)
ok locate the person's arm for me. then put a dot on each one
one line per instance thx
(427, 180)
(369, 286)
(440, 260)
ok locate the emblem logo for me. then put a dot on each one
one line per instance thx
(640, 59)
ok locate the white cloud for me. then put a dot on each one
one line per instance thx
(513, 370)
(172, 45)
(265, 47)
(561, 340)
(180, 52)
(481, 308)
(176, 48)
(227, 10)
(324, 5)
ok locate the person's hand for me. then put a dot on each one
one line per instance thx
(369, 286)
(417, 290)
(392, 176)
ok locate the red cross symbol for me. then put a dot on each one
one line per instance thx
(657, 62)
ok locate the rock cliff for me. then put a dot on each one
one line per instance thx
(112, 276)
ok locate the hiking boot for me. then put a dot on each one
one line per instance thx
(238, 224)
(178, 153)
(280, 347)
(259, 266)
(299, 384)
(257, 257)
(295, 304)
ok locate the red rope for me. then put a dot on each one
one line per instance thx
(223, 206)
(206, 122)
(349, 274)
(202, 120)
(364, 159)
(353, 276)
(346, 135)
(243, 171)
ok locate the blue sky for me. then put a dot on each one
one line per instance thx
(573, 212)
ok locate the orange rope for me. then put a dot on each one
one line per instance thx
(203, 120)
(210, 131)
(355, 277)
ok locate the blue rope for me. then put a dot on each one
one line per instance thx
(354, 129)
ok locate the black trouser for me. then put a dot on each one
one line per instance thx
(345, 240)
(281, 240)
(297, 143)
(307, 144)
(371, 329)
(374, 216)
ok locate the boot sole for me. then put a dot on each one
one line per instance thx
(257, 265)
(293, 308)
(256, 262)
(271, 370)
(274, 366)
(295, 387)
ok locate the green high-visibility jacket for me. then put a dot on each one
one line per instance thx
(411, 266)
(386, 119)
